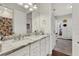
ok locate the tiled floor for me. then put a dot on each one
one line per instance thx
(64, 46)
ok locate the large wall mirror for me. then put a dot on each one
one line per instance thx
(6, 21)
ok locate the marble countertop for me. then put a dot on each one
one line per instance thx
(12, 45)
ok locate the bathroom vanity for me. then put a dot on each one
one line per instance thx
(33, 45)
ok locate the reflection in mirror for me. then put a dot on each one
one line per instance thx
(6, 22)
(64, 25)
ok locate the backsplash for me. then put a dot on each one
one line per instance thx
(6, 27)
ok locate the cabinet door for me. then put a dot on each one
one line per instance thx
(22, 52)
(75, 49)
(35, 49)
(43, 47)
(26, 51)
(47, 45)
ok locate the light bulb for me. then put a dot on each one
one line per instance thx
(35, 7)
(26, 6)
(31, 9)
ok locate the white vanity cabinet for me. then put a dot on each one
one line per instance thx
(43, 47)
(35, 48)
(21, 52)
(39, 47)
(47, 45)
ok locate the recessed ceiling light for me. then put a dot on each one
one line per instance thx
(26, 6)
(30, 9)
(35, 7)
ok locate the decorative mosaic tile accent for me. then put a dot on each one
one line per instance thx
(6, 27)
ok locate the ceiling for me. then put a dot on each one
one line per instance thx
(29, 7)
(60, 9)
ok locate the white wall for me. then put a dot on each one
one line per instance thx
(19, 22)
(75, 30)
(41, 18)
(66, 31)
(35, 20)
(45, 17)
